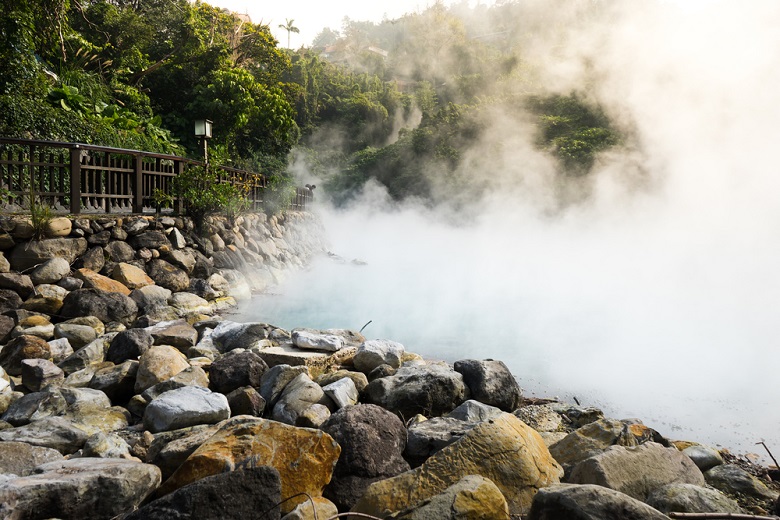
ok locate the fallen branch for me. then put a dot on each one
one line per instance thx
(718, 516)
(770, 454)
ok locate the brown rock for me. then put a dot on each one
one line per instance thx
(157, 364)
(131, 276)
(20, 348)
(93, 280)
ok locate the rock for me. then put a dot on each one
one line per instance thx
(275, 379)
(474, 412)
(20, 458)
(58, 227)
(732, 479)
(591, 439)
(377, 352)
(298, 395)
(38, 326)
(192, 376)
(372, 442)
(9, 300)
(150, 296)
(137, 226)
(93, 419)
(92, 353)
(637, 470)
(5, 265)
(60, 349)
(169, 450)
(184, 407)
(491, 383)
(177, 333)
(70, 284)
(246, 401)
(303, 457)
(94, 260)
(157, 364)
(39, 373)
(100, 238)
(317, 507)
(358, 379)
(504, 450)
(471, 497)
(57, 433)
(47, 299)
(183, 259)
(430, 390)
(234, 370)
(78, 488)
(85, 396)
(106, 446)
(34, 407)
(176, 238)
(150, 239)
(119, 252)
(131, 276)
(93, 280)
(578, 416)
(129, 344)
(32, 253)
(21, 348)
(243, 493)
(187, 303)
(106, 306)
(342, 392)
(21, 284)
(168, 276)
(588, 502)
(51, 271)
(117, 381)
(313, 416)
(427, 437)
(315, 340)
(688, 498)
(77, 335)
(230, 335)
(703, 456)
(542, 418)
(317, 362)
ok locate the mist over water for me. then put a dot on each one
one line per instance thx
(656, 293)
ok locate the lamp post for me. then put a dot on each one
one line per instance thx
(203, 133)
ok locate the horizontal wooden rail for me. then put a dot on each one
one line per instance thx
(81, 178)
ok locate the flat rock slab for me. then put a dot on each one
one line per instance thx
(79, 488)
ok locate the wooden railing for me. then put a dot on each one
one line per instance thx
(81, 178)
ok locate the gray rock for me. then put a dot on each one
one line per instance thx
(60, 349)
(106, 306)
(129, 344)
(243, 493)
(20, 458)
(430, 390)
(236, 369)
(39, 373)
(85, 396)
(176, 239)
(427, 437)
(230, 335)
(542, 418)
(9, 300)
(298, 395)
(188, 303)
(316, 340)
(186, 406)
(372, 441)
(638, 470)
(79, 488)
(313, 416)
(703, 456)
(119, 251)
(169, 450)
(276, 378)
(687, 498)
(588, 502)
(117, 381)
(168, 275)
(377, 352)
(150, 296)
(106, 446)
(182, 258)
(51, 271)
(589, 440)
(137, 226)
(47, 299)
(491, 383)
(342, 392)
(19, 283)
(70, 283)
(77, 335)
(732, 479)
(94, 260)
(358, 378)
(459, 501)
(177, 333)
(94, 352)
(151, 239)
(474, 412)
(246, 401)
(33, 253)
(58, 433)
(35, 406)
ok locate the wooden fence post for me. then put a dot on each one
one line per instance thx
(75, 180)
(138, 182)
(178, 203)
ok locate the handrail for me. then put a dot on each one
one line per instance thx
(86, 178)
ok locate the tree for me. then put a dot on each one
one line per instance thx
(290, 28)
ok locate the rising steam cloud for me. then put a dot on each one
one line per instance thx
(657, 294)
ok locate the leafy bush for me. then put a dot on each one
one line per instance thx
(203, 194)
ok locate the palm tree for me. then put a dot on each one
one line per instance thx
(290, 28)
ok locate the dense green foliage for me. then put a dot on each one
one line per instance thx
(404, 102)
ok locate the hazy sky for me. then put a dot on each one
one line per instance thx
(311, 17)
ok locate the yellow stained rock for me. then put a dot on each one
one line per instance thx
(304, 457)
(93, 280)
(505, 450)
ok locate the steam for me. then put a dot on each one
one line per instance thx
(654, 290)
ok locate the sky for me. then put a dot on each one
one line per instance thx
(311, 17)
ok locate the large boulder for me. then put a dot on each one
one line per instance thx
(106, 306)
(687, 498)
(732, 479)
(131, 276)
(299, 394)
(184, 407)
(20, 458)
(57, 433)
(427, 437)
(372, 441)
(304, 457)
(34, 407)
(167, 275)
(430, 390)
(157, 364)
(377, 352)
(119, 251)
(79, 488)
(504, 450)
(39, 373)
(129, 344)
(637, 470)
(244, 493)
(229, 335)
(177, 333)
(170, 449)
(51, 271)
(491, 383)
(591, 439)
(588, 502)
(275, 379)
(35, 252)
(93, 280)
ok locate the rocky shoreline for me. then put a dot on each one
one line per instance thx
(125, 394)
